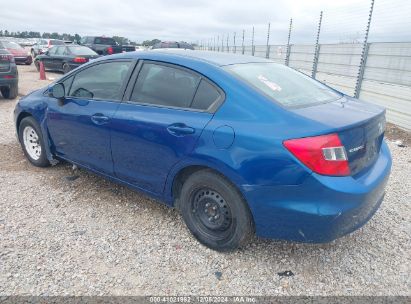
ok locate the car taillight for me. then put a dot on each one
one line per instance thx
(8, 76)
(79, 60)
(9, 58)
(110, 50)
(322, 154)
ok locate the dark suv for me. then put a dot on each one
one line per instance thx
(104, 45)
(9, 76)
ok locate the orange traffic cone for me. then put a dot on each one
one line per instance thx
(42, 71)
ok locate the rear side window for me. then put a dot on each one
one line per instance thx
(60, 50)
(165, 85)
(102, 81)
(104, 40)
(53, 50)
(206, 96)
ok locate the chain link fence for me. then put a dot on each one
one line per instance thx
(363, 51)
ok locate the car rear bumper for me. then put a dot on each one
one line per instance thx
(322, 208)
(23, 60)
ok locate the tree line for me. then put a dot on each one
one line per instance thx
(55, 35)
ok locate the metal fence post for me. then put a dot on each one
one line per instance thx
(287, 55)
(228, 48)
(267, 51)
(222, 43)
(242, 43)
(218, 43)
(317, 48)
(364, 55)
(252, 43)
(235, 47)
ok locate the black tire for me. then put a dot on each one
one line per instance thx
(42, 160)
(215, 212)
(11, 92)
(33, 55)
(66, 68)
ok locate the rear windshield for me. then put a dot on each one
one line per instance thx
(56, 42)
(102, 40)
(10, 45)
(81, 50)
(283, 84)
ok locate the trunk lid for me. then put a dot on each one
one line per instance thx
(359, 125)
(4, 62)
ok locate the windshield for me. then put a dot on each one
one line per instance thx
(56, 42)
(283, 84)
(10, 45)
(81, 50)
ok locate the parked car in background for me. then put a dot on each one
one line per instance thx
(239, 144)
(9, 76)
(20, 54)
(64, 58)
(43, 45)
(139, 48)
(104, 45)
(173, 45)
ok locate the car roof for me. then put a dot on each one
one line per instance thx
(214, 58)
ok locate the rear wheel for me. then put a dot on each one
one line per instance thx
(66, 68)
(32, 142)
(215, 212)
(10, 92)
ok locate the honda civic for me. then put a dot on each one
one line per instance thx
(239, 145)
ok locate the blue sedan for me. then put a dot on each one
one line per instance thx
(240, 145)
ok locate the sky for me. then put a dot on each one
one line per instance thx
(204, 21)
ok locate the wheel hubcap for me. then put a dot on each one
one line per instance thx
(31, 142)
(211, 210)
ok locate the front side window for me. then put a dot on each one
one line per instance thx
(282, 84)
(165, 85)
(102, 81)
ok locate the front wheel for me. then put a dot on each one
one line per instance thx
(66, 68)
(215, 212)
(32, 142)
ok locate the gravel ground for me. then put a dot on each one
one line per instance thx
(88, 236)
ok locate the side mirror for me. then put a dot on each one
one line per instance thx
(57, 91)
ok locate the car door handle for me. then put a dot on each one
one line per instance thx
(99, 119)
(180, 129)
